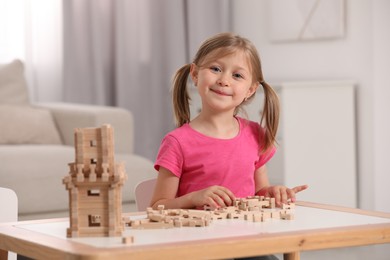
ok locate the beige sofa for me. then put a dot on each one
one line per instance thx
(36, 144)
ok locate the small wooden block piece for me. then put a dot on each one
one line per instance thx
(128, 240)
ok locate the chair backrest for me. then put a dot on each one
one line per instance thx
(8, 211)
(143, 193)
(8, 205)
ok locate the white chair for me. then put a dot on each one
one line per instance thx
(143, 193)
(8, 212)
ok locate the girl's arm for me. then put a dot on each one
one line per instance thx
(281, 193)
(166, 189)
(261, 178)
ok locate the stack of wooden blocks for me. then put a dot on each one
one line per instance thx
(95, 185)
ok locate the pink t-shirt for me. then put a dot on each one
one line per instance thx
(201, 161)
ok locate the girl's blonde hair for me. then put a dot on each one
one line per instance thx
(218, 46)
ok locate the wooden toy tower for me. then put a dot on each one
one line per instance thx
(95, 185)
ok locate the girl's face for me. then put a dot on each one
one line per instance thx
(224, 83)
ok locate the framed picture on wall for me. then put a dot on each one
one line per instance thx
(300, 20)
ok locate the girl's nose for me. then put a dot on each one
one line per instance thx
(222, 81)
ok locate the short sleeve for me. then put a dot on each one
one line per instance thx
(170, 156)
(265, 157)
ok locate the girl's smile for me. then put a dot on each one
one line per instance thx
(220, 92)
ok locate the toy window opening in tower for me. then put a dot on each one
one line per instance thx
(94, 192)
(93, 143)
(94, 220)
(93, 161)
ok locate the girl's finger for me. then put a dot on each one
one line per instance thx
(219, 200)
(283, 194)
(276, 194)
(291, 194)
(229, 193)
(212, 203)
(226, 195)
(300, 188)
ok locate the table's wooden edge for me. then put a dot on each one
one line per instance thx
(223, 247)
(343, 209)
(290, 241)
(255, 245)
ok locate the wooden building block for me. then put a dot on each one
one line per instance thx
(128, 240)
(95, 210)
(256, 212)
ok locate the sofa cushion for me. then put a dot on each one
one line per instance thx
(13, 87)
(27, 125)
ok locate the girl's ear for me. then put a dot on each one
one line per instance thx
(252, 89)
(194, 73)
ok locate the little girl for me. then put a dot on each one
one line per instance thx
(218, 155)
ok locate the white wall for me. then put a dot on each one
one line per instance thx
(358, 56)
(381, 84)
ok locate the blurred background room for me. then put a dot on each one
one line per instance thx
(123, 53)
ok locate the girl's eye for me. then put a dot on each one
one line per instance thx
(215, 69)
(238, 75)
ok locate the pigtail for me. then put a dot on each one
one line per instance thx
(270, 116)
(181, 98)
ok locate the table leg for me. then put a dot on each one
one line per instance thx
(291, 256)
(3, 254)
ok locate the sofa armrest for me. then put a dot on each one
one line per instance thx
(69, 116)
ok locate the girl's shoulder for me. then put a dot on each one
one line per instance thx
(179, 132)
(249, 127)
(255, 130)
(248, 124)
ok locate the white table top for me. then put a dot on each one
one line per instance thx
(306, 218)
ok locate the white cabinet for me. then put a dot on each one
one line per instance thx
(317, 139)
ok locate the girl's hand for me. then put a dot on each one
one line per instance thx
(214, 196)
(281, 193)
